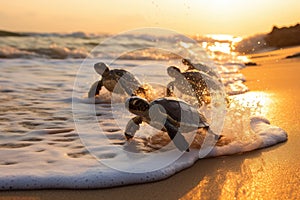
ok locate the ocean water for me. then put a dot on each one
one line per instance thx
(53, 136)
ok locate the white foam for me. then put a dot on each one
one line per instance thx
(268, 133)
(42, 165)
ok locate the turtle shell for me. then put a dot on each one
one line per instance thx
(127, 81)
(201, 80)
(201, 67)
(181, 114)
(191, 83)
(125, 75)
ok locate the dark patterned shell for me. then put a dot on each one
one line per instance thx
(181, 113)
(127, 81)
(200, 67)
(124, 75)
(201, 80)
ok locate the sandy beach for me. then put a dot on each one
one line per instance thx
(271, 173)
(69, 74)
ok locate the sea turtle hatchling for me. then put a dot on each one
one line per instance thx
(192, 82)
(110, 78)
(171, 115)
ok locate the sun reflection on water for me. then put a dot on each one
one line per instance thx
(222, 47)
(259, 103)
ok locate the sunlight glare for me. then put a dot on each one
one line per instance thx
(258, 102)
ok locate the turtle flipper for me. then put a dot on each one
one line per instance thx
(170, 89)
(95, 89)
(177, 138)
(132, 126)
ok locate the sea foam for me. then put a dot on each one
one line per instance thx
(36, 163)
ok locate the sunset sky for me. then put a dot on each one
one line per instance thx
(235, 17)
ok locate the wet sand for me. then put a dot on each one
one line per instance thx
(271, 173)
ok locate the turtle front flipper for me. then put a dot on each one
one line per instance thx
(132, 126)
(170, 89)
(95, 89)
(177, 138)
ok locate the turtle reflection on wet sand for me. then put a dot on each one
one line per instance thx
(127, 83)
(170, 115)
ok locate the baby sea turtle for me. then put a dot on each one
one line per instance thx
(200, 67)
(192, 82)
(167, 114)
(110, 78)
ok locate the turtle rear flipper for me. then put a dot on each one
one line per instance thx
(177, 138)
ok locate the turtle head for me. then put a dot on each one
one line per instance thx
(173, 71)
(186, 61)
(101, 68)
(137, 105)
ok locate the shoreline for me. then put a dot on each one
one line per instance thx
(272, 173)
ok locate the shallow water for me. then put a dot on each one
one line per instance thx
(52, 133)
